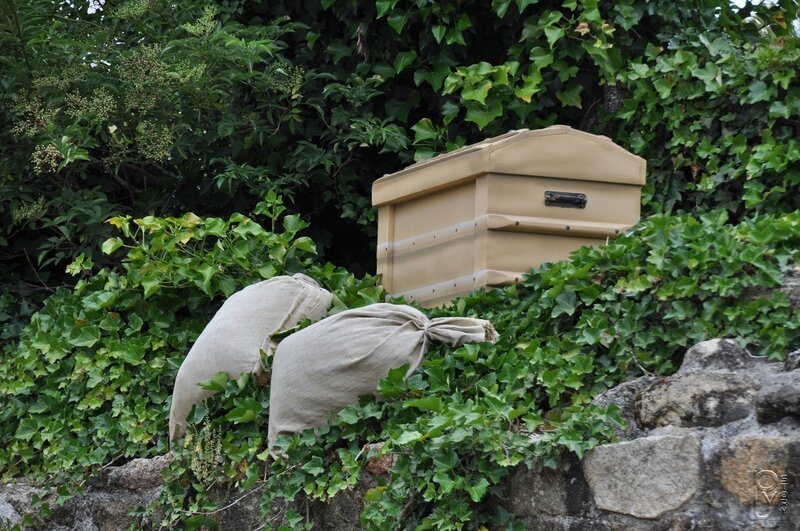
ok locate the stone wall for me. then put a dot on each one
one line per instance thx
(716, 446)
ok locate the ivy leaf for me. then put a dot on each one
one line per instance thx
(384, 6)
(398, 21)
(241, 415)
(314, 466)
(151, 285)
(111, 245)
(304, 243)
(477, 92)
(565, 303)
(482, 114)
(571, 96)
(523, 4)
(431, 403)
(408, 437)
(478, 489)
(424, 130)
(294, 223)
(438, 32)
(553, 34)
(87, 336)
(501, 7)
(403, 59)
(530, 87)
(758, 91)
(217, 383)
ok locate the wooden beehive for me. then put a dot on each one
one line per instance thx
(486, 213)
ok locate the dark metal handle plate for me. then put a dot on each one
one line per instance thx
(565, 199)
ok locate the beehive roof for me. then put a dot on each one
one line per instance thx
(556, 151)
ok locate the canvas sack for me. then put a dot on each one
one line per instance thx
(233, 339)
(321, 369)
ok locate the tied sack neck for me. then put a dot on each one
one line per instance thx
(457, 331)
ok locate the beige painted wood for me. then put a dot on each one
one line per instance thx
(477, 216)
(557, 151)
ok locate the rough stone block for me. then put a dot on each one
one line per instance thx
(792, 361)
(624, 396)
(533, 492)
(138, 473)
(8, 515)
(645, 477)
(715, 354)
(696, 399)
(748, 456)
(779, 397)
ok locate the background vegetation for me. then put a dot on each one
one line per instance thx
(166, 120)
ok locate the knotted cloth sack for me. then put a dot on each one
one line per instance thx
(323, 368)
(238, 332)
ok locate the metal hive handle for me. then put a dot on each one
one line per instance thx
(565, 199)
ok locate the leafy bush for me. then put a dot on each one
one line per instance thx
(90, 379)
(568, 332)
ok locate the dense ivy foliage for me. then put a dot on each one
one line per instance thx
(90, 380)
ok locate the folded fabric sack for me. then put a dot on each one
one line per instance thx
(238, 332)
(321, 369)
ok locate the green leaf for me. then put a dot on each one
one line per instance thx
(111, 245)
(241, 415)
(483, 114)
(571, 95)
(566, 303)
(151, 285)
(87, 336)
(294, 224)
(553, 34)
(217, 383)
(398, 21)
(306, 244)
(424, 130)
(758, 91)
(477, 92)
(384, 6)
(404, 59)
(478, 489)
(408, 437)
(501, 7)
(314, 466)
(523, 4)
(438, 32)
(431, 403)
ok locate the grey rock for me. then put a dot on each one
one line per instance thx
(624, 396)
(715, 354)
(8, 515)
(557, 492)
(779, 397)
(243, 511)
(696, 399)
(750, 458)
(792, 361)
(138, 474)
(646, 477)
(16, 498)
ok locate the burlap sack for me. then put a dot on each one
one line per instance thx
(233, 339)
(321, 369)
